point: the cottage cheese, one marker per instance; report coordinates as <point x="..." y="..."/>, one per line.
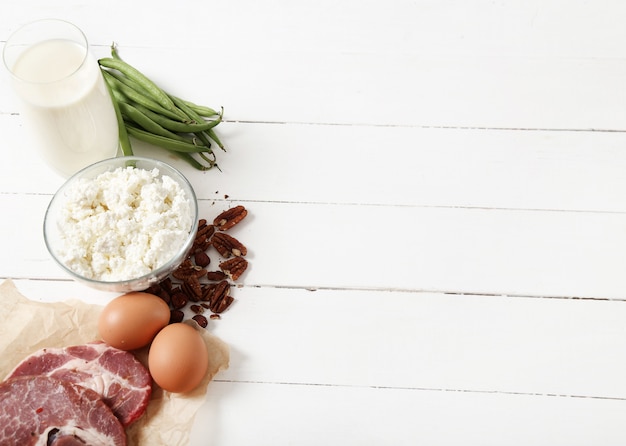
<point x="123" y="224"/>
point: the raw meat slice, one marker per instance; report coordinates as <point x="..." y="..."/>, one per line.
<point x="117" y="376"/>
<point x="39" y="410"/>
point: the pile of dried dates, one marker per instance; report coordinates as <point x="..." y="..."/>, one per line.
<point x="192" y="285"/>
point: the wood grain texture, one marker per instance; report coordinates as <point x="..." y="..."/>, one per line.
<point x="308" y="415"/>
<point x="500" y="252"/>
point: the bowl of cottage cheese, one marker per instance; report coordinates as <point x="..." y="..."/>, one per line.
<point x="122" y="224"/>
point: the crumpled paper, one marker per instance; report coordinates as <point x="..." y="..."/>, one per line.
<point x="27" y="326"/>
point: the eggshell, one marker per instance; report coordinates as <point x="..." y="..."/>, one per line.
<point x="132" y="320"/>
<point x="178" y="358"/>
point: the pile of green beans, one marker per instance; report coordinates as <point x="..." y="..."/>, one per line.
<point x="147" y="113"/>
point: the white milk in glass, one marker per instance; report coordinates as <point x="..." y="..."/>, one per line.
<point x="67" y="104"/>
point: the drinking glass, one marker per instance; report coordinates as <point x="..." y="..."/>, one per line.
<point x="65" y="102"/>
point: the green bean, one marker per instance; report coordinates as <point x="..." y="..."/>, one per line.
<point x="207" y="112"/>
<point x="172" y="112"/>
<point x="116" y="94"/>
<point x="177" y="126"/>
<point x="148" y="124"/>
<point x="214" y="137"/>
<point x="191" y="160"/>
<point x="128" y="70"/>
<point x="164" y="142"/>
<point x="137" y="97"/>
<point x="145" y="112"/>
<point x="195" y="117"/>
<point x="129" y="83"/>
<point x="114" y="52"/>
<point x="192" y="115"/>
<point x="174" y="148"/>
<point x="138" y="88"/>
<point x="125" y="145"/>
<point x="212" y="161"/>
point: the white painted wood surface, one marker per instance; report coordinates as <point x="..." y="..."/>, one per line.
<point x="437" y="226"/>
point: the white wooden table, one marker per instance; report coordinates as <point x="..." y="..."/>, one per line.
<point x="437" y="197"/>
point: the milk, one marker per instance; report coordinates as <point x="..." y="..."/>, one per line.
<point x="66" y="104"/>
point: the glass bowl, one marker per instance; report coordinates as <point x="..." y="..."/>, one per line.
<point x="120" y="221"/>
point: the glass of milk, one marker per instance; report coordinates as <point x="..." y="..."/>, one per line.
<point x="66" y="104"/>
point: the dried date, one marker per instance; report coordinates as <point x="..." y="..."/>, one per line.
<point x="192" y="288"/>
<point x="217" y="292"/>
<point x="187" y="269"/>
<point x="207" y="291"/>
<point x="176" y="316"/>
<point x="201" y="320"/>
<point x="223" y="304"/>
<point x="201" y="259"/>
<point x="216" y="276"/>
<point x="228" y="245"/>
<point x="202" y="240"/>
<point x="234" y="267"/>
<point x="196" y="288"/>
<point x="197" y="309"/>
<point x="220" y="298"/>
<point x="179" y="300"/>
<point x="230" y="218"/>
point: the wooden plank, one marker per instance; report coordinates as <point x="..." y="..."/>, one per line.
<point x="550" y="28"/>
<point x="426" y="341"/>
<point x="420" y="167"/>
<point x="510" y="72"/>
<point x="415" y="341"/>
<point x="397" y="89"/>
<point x="453" y="250"/>
<point x="268" y="414"/>
<point x="573" y="171"/>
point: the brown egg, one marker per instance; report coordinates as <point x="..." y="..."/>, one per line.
<point x="178" y="359"/>
<point x="132" y="320"/>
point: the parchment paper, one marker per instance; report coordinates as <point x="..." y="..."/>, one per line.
<point x="27" y="326"/>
